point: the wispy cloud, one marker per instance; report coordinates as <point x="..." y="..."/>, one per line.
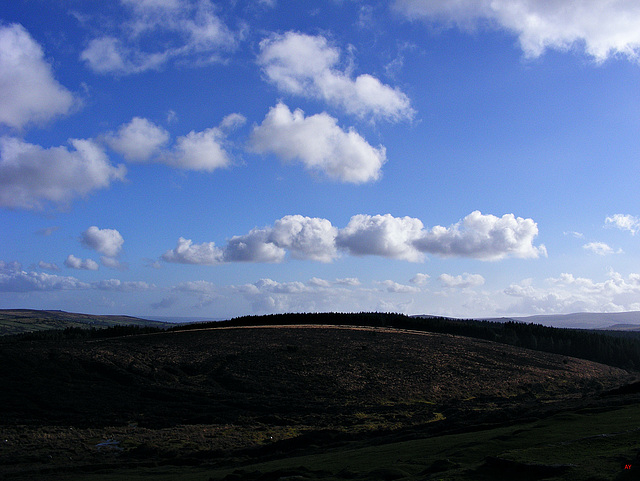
<point x="600" y="248"/>
<point x="191" y="30"/>
<point x="624" y="222"/>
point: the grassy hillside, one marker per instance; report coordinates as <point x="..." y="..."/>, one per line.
<point x="18" y="321"/>
<point x="203" y="404"/>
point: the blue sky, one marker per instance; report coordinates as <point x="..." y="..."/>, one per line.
<point x="199" y="158"/>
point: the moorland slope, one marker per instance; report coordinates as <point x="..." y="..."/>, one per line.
<point x="211" y="395"/>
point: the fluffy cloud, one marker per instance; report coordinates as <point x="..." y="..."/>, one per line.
<point x="191" y="31"/>
<point x="76" y="263"/>
<point x="28" y="90"/>
<point x="420" y="279"/>
<point x="382" y="235"/>
<point x="319" y="144"/>
<point x="484" y="237"/>
<point x="462" y="281"/>
<point x="255" y="246"/>
<point x="199" y="151"/>
<point x="138" y="140"/>
<point x="600" y="248"/>
<point x="306" y="65"/>
<point x="624" y="222"/>
<point x="188" y="253"/>
<point x="106" y="241"/>
<point x="143" y="141"/>
<point x="304" y="237"/>
<point x="31" y="175"/>
<point x="14" y="279"/>
<point x="603" y="28"/>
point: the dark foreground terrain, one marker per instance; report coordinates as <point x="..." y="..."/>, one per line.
<point x="310" y="402"/>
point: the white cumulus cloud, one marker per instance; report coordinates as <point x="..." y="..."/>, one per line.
<point x="28" y="90"/>
<point x="186" y="252"/>
<point x="420" y="279"/>
<point x="139" y="140"/>
<point x="31" y="176"/>
<point x="603" y="28"/>
<point x="382" y="235"/>
<point x="484" y="237"/>
<point x="106" y="241"/>
<point x="462" y="281"/>
<point x="143" y="141"/>
<point x="303" y="237"/>
<point x="76" y="263"/>
<point x="199" y="151"/>
<point x="308" y="66"/>
<point x="319" y="144"/>
<point x="256" y="246"/>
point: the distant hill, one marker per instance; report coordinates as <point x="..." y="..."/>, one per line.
<point x="18" y="321"/>
<point x="583" y="320"/>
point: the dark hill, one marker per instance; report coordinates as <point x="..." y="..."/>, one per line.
<point x="326" y="376"/>
<point x="242" y="393"/>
